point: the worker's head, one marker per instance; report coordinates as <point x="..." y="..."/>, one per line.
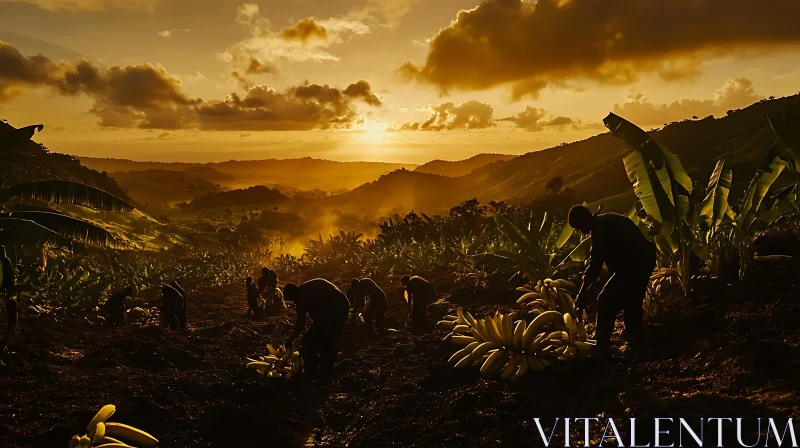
<point x="248" y="280"/>
<point x="128" y="291"/>
<point x="354" y="283"/>
<point x="2" y="249"/>
<point x="405" y="279"/>
<point x="581" y="218"/>
<point x="291" y="291"/>
<point x="265" y="271"/>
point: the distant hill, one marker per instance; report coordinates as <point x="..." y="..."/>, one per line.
<point x="461" y="167"/>
<point x="35" y="162"/>
<point x="253" y="197"/>
<point x="300" y="174"/>
<point x="168" y="187"/>
<point x="593" y="167"/>
<point x="400" y="191"/>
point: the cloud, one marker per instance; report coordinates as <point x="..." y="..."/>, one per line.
<point x="170" y="33"/>
<point x="147" y="96"/>
<point x="93" y="5"/>
<point x="384" y="12"/>
<point x="304" y="107"/>
<point x="530" y="45"/>
<point x="449" y="116"/>
<point x="794" y="76"/>
<point x="536" y="120"/>
<point x="734" y="94"/>
<point x="306" y="40"/>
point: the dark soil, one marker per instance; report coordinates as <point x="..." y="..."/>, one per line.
<point x="730" y="352"/>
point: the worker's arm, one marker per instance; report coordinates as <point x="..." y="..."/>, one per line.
<point x="596" y="262"/>
<point x="299" y="306"/>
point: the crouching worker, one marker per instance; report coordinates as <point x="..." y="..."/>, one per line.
<point x="114" y="307"/>
<point x="171" y="302"/>
<point x="619" y="244"/>
<point x="273" y="296"/>
<point x="328" y="307"/>
<point x="375" y="308"/>
<point x="252" y="297"/>
<point x="419" y="294"/>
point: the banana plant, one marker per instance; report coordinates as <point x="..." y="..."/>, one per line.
<point x="663" y="188"/>
<point x="39" y="226"/>
<point x="534" y="250"/>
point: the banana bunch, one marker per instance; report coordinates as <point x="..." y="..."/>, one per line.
<point x="502" y="345"/>
<point x="149" y="316"/>
<point x="105" y="434"/>
<point x="355" y="319"/>
<point x="280" y="363"/>
<point x="548" y="295"/>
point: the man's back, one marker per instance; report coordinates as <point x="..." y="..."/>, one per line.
<point x="621" y="242"/>
<point x="321" y="299"/>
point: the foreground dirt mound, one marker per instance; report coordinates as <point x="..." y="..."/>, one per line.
<point x="732" y="351"/>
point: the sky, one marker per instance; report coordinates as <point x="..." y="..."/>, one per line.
<point x="381" y="80"/>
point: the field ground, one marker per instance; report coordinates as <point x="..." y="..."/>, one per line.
<point x="734" y="352"/>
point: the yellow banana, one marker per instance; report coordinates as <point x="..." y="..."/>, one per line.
<point x="449" y="324"/>
<point x="272" y="350"/>
<point x="84" y="442"/>
<point x="491" y="329"/>
<point x="102" y="416"/>
<point x="583" y="347"/>
<point x="461" y="354"/>
<point x="533" y="363"/>
<point x="460" y="314"/>
<point x="537" y="344"/>
<point x="99" y="433"/>
<point x="528" y="297"/>
<point x="511" y="367"/>
<point x="110" y="441"/>
<point x="462" y="329"/>
<point x="129" y="433"/>
<point x="113" y="445"/>
<point x="493" y="361"/>
<point x="519" y="333"/>
<point x="523" y="367"/>
<point x="450" y="317"/>
<point x="462" y="340"/>
<point x="73" y="442"/>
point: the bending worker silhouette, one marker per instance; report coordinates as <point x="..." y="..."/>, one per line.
<point x="619" y="244"/>
<point x="328" y="307"/>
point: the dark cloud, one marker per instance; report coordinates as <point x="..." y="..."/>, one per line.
<point x="530" y="45"/>
<point x="305" y="30"/>
<point x="536" y="120"/>
<point x="449" y="116"/>
<point x="304" y="107"/>
<point x="148" y="97"/>
<point x="734" y="94"/>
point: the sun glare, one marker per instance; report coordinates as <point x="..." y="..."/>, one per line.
<point x="372" y="131"/>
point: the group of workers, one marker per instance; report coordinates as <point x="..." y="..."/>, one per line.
<point x="617" y="243"/>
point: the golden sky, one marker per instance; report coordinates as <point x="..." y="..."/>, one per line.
<point x="388" y="80"/>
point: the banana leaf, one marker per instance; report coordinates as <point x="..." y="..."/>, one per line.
<point x="715" y="205"/>
<point x="564" y="236"/>
<point x="16" y="138"/>
<point x="771" y="167"/>
<point x="787" y="132"/>
<point x="651" y="151"/>
<point x="521" y="237"/>
<point x="24" y="232"/>
<point x="69" y="227"/>
<point x="67" y="192"/>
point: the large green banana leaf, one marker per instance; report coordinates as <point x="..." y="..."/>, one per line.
<point x="68" y="227"/>
<point x="771" y="167"/>
<point x="67" y="192"/>
<point x="715" y="205"/>
<point x="24" y="232"/>
<point x="16" y="138"/>
<point x="636" y="138"/>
